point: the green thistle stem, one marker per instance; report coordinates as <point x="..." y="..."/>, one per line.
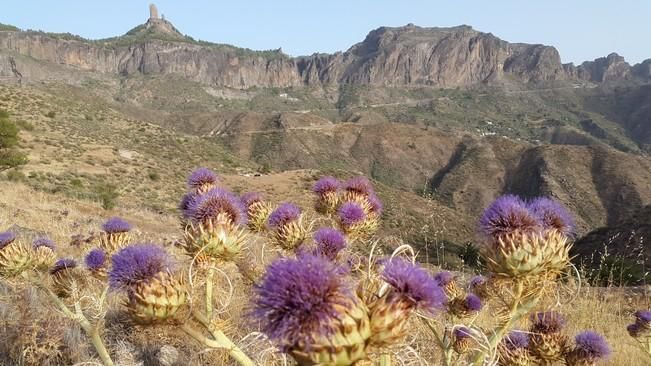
<point x="385" y="360"/>
<point x="447" y="350"/>
<point x="221" y="341"/>
<point x="209" y="284"/>
<point x="516" y="312"/>
<point x="91" y="331"/>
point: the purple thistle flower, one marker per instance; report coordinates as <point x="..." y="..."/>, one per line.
<point x="329" y="242"/>
<point x="516" y="339"/>
<point x="443" y="278"/>
<point x="477" y="281"/>
<point x="298" y="298"/>
<point x="506" y="215"/>
<point x="552" y="215"/>
<point x="591" y="346"/>
<point x="325" y="185"/>
<point x="376" y="205"/>
<point x="414" y="284"/>
<point x="95" y="259"/>
<point x="359" y="184"/>
<point x="633" y="330"/>
<point x="351" y="213"/>
<point x="284" y="214"/>
<point x="462" y="333"/>
<point x="643" y="316"/>
<point x="200" y="177"/>
<point x="473" y="302"/>
<point x="6" y="238"/>
<point x="62" y="264"/>
<point x="214" y="202"/>
<point x="547" y="322"/>
<point x="186" y="202"/>
<point x="250" y="198"/>
<point x="43" y="242"/>
<point x="116" y="225"/>
<point x="137" y="263"/>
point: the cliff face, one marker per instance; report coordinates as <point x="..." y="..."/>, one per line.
<point x="410" y="55"/>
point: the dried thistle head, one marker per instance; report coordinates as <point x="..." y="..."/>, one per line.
<point x="513" y="350"/>
<point x="547" y="340"/>
<point x="464" y="340"/>
<point x="15" y="257"/>
<point x="642" y="325"/>
<point x="64" y="276"/>
<point x="308" y="308"/>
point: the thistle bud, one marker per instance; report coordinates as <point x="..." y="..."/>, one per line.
<point x="43" y="255"/>
<point x="214" y="231"/>
<point x="257" y="211"/>
<point x="115" y="235"/>
<point x="329" y="243"/>
<point x="143" y="271"/>
<point x="15" y="257"/>
<point x="96" y="263"/>
<point x="411" y="289"/>
<point x="449" y="284"/>
<point x="64" y="277"/>
<point x="463" y="340"/>
<point x="518" y="243"/>
<point x="547" y="342"/>
<point x="513" y="350"/>
<point x="327" y="195"/>
<point x="480" y="286"/>
<point x="465" y="307"/>
<point x="308" y="308"/>
<point x="642" y="325"/>
<point x="287" y="227"/>
<point x="590" y="348"/>
<point x="201" y="180"/>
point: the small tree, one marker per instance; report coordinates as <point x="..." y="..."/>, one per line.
<point x="9" y="156"/>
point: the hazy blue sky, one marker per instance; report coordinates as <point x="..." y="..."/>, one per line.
<point x="580" y="29"/>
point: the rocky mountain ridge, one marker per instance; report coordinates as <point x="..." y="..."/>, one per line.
<point x="400" y="56"/>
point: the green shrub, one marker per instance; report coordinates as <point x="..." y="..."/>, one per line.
<point x="9" y="157"/>
<point x="15" y="176"/>
<point x="108" y="195"/>
<point x="154" y="176"/>
<point x="51" y="114"/>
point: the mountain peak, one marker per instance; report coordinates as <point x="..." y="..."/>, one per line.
<point x="156" y="25"/>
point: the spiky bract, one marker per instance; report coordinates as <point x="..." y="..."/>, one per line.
<point x="15" y="258"/>
<point x="513" y="349"/>
<point x="257" y="210"/>
<point x="307" y="307"/>
<point x="327" y="195"/>
<point x="547" y="342"/>
<point x="287" y="226"/>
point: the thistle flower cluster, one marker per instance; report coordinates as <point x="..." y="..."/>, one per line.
<point x="640" y="330"/>
<point x="526" y="239"/>
<point x="354" y="204"/>
<point x="309" y="308"/>
<point x="17" y="257"/>
<point x="212" y="219"/>
<point x="459" y="303"/>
